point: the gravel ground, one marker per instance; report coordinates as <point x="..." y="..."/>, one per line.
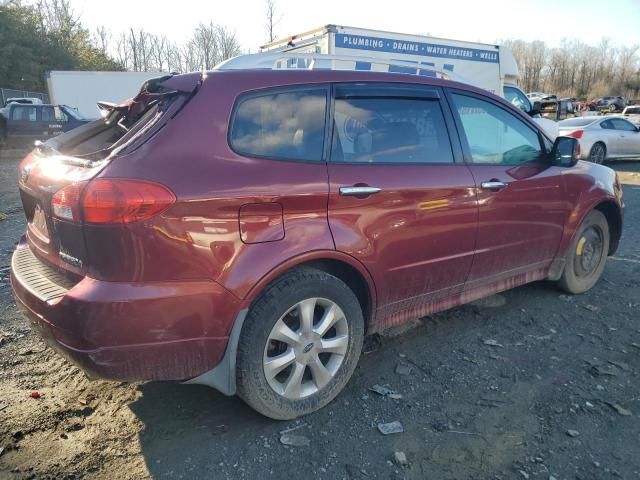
<point x="527" y="384"/>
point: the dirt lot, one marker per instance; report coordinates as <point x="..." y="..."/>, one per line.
<point x="529" y="384"/>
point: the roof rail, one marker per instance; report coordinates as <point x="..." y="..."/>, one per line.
<point x="322" y="61"/>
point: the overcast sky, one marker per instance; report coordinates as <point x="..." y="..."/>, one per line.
<point x="473" y="20"/>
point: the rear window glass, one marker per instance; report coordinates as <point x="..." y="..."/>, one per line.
<point x="286" y="125"/>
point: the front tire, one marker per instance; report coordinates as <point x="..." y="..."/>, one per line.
<point x="587" y="256"/>
<point x="299" y="344"/>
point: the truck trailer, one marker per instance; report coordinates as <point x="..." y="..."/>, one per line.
<point x="83" y="90"/>
<point x="492" y="67"/>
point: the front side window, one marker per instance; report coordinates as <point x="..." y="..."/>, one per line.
<point x="47" y="114"/>
<point x="53" y="114"/>
<point x="286" y="125"/>
<point x="60" y="115"/>
<point x="390" y="130"/>
<point x="495" y="136"/>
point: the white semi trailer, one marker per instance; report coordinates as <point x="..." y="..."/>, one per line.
<point x="492" y="67"/>
<point x="83" y="90"/>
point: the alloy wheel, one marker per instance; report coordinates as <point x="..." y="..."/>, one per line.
<point x="597" y="153"/>
<point x="305" y="348"/>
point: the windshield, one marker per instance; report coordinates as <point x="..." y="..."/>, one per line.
<point x="634" y="110"/>
<point x="576" y="122"/>
<point x="517" y="98"/>
<point x="72" y="113"/>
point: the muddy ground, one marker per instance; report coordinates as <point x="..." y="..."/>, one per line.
<point x="530" y="384"/>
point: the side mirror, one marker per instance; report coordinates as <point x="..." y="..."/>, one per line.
<point x="536" y="108"/>
<point x="565" y="152"/>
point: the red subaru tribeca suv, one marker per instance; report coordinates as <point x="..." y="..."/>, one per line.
<point x="245" y="229"/>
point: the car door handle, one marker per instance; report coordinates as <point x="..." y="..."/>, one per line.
<point x="358" y="191"/>
<point x="493" y="184"/>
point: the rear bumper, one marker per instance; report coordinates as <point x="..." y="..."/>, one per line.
<point x="128" y="331"/>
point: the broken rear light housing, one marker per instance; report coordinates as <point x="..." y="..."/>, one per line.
<point x="111" y="201"/>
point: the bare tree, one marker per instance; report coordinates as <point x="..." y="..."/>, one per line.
<point x="59" y="20"/>
<point x="209" y="45"/>
<point x="205" y="45"/>
<point x="273" y="18"/>
<point x="228" y="43"/>
<point x="577" y="69"/>
<point x="102" y="38"/>
<point x="123" y="51"/>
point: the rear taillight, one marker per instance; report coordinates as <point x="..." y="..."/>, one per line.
<point x="576" y="134"/>
<point x="123" y="201"/>
<point x="66" y="202"/>
<point x="111" y="201"/>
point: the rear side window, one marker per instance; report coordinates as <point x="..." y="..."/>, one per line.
<point x="24" y="114"/>
<point x="390" y="130"/>
<point x="286" y="125"/>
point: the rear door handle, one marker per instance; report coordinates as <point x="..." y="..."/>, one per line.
<point x="359" y="191"/>
<point x="493" y="184"/>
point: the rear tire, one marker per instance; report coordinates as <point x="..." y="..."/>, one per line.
<point x="318" y="364"/>
<point x="587" y="255"/>
<point x="598" y="153"/>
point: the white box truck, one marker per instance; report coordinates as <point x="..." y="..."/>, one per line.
<point x="83" y="90"/>
<point x="492" y="67"/>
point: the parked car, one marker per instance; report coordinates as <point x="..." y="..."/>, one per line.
<point x="557" y="109"/>
<point x="539" y="96"/>
<point x="603" y="138"/>
<point x="610" y="104"/>
<point x="23" y="123"/>
<point x="632" y="113"/>
<point x="245" y="229"/>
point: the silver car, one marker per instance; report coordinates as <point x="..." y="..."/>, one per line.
<point x="632" y="113"/>
<point x="603" y="138"/>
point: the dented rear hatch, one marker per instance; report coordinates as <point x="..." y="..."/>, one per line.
<point x="78" y="156"/>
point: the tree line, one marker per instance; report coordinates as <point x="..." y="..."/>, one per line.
<point x="577" y="69"/>
<point x="48" y="35"/>
<point x="44" y="36"/>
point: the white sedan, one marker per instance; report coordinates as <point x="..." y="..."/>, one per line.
<point x="603" y="138"/>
